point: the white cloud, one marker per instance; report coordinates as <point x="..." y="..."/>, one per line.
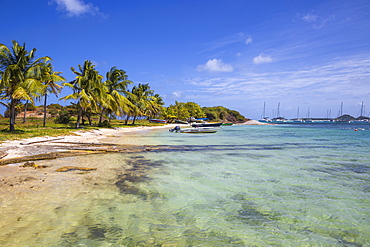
<point x="248" y="41"/>
<point x="177" y="94"/>
<point x="215" y="65"/>
<point x="76" y="7"/>
<point x="261" y="58"/>
<point x="309" y="18"/>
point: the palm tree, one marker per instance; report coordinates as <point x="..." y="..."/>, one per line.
<point x="115" y="100"/>
<point x="49" y="78"/>
<point x="20" y="73"/>
<point x="142" y="96"/>
<point x="87" y="87"/>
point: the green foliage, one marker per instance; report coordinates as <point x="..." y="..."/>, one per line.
<point x="20" y="76"/>
<point x="63" y="117"/>
<point x="30" y="107"/>
<point x="54" y="109"/>
<point x="184" y="111"/>
<point x="220" y="113"/>
<point x="105" y="124"/>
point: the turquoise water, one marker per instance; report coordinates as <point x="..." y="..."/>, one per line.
<point x="282" y="185"/>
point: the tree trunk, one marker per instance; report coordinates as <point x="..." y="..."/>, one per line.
<point x="25" y="111"/>
<point x="89" y="119"/>
<point x="127" y="117"/>
<point x="133" y="121"/>
<point x="79" y="117"/>
<point x="44" y="124"/>
<point x="12" y="114"/>
<point x="101" y="116"/>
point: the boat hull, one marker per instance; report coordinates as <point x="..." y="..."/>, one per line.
<point x="198" y="130"/>
<point x="157" y="121"/>
<point x="206" y="125"/>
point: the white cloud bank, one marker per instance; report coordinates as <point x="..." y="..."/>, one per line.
<point x="215" y="65"/>
<point x="76" y="7"/>
<point x="262" y="58"/>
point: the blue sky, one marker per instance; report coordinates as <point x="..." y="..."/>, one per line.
<point x="235" y="53"/>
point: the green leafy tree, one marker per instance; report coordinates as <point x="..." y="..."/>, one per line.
<point x="87" y="87"/>
<point x="141" y="97"/>
<point x="50" y="79"/>
<point x="115" y="100"/>
<point x="20" y="76"/>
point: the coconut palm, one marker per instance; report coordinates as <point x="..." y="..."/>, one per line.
<point x="49" y="78"/>
<point x="115" y="101"/>
<point x="87" y="87"/>
<point x="142" y="97"/>
<point x="20" y="76"/>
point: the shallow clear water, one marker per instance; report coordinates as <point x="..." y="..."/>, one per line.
<point x="282" y="185"/>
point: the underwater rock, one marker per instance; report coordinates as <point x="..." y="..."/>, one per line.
<point x="32" y="164"/>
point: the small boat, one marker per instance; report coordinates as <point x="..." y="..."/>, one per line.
<point x="157" y="120"/>
<point x="198" y="130"/>
<point x="206" y="124"/>
<point x="180" y="121"/>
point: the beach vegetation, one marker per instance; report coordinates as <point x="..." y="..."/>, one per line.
<point x="49" y="77"/>
<point x="87" y="88"/>
<point x="145" y="102"/>
<point x="115" y="101"/>
<point x="183" y="111"/>
<point x="220" y="113"/>
<point x="20" y="77"/>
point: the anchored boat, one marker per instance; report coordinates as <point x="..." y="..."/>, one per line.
<point x="198" y="130"/>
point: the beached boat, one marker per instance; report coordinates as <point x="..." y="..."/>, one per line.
<point x="157" y="120"/>
<point x="180" y="121"/>
<point x="206" y="124"/>
<point x="198" y="130"/>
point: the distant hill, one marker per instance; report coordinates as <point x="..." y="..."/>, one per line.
<point x="220" y="113"/>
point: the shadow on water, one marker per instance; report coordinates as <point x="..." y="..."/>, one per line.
<point x="251" y="213"/>
<point x="128" y="180"/>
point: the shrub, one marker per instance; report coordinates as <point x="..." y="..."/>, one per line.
<point x="63" y="118"/>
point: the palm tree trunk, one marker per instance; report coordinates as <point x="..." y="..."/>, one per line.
<point x="12" y="114"/>
<point x="133" y="121"/>
<point x="101" y="116"/>
<point x="89" y="119"/>
<point x="79" y="117"/>
<point x="126" y="120"/>
<point x="25" y="111"/>
<point x="44" y="124"/>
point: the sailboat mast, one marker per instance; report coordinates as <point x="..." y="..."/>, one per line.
<point x="298" y="113"/>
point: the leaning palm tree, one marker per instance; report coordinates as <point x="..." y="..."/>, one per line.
<point x="49" y="78"/>
<point x="142" y="97"/>
<point x="87" y="88"/>
<point x="20" y="73"/>
<point x="115" y="101"/>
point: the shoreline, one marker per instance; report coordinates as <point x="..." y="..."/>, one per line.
<point x="39" y="145"/>
<point x="18" y="172"/>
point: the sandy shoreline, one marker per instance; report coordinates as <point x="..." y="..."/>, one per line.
<point x="38" y="145"/>
<point x="14" y="174"/>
